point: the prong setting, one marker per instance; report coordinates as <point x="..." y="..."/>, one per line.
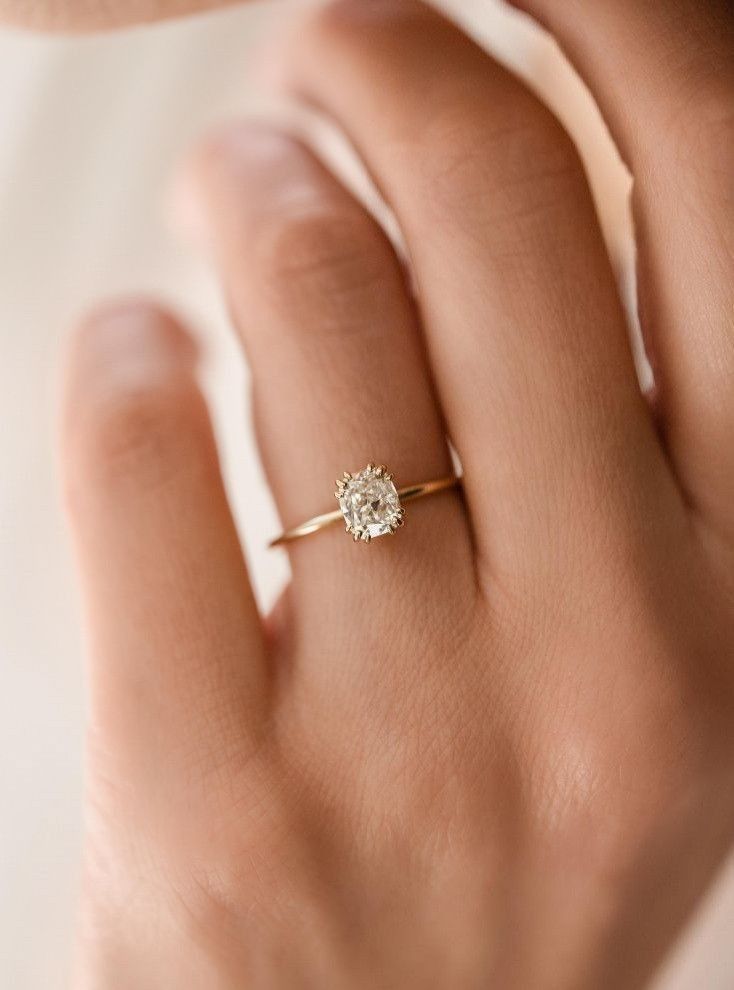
<point x="370" y="503"/>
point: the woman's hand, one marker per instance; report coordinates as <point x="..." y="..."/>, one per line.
<point x="496" y="749"/>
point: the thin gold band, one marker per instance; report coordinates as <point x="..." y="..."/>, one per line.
<point x="409" y="494"/>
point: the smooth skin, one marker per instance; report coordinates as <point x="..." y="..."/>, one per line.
<point x="93" y="15"/>
<point x="497" y="749"/>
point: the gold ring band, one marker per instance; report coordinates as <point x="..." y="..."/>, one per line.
<point x="370" y="505"/>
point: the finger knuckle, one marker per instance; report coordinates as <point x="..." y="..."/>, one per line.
<point x="605" y="791"/>
<point x="510" y="172"/>
<point x="139" y="435"/>
<point x="323" y="251"/>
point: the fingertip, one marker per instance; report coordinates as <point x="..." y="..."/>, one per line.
<point x="192" y="192"/>
<point x="268" y="133"/>
<point x="201" y="200"/>
<point x="121" y="335"/>
<point x="130" y="384"/>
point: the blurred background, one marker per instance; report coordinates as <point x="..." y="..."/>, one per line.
<point x="91" y="132"/>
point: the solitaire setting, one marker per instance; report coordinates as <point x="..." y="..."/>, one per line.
<point x="370" y="503"/>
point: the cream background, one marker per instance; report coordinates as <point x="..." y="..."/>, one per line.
<point x="90" y="133"/>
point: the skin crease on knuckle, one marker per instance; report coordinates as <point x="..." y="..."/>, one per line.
<point x="324" y="252"/>
<point x="320" y="247"/>
<point x="464" y="790"/>
<point x="530" y="152"/>
<point x="143" y="438"/>
<point x="310" y="252"/>
<point x="134" y="422"/>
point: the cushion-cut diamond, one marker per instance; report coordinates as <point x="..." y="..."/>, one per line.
<point x="370" y="503"/>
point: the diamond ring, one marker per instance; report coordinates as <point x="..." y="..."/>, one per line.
<point x="370" y="505"/>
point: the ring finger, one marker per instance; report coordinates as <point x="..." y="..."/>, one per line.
<point x="525" y="331"/>
<point x="339" y="374"/>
